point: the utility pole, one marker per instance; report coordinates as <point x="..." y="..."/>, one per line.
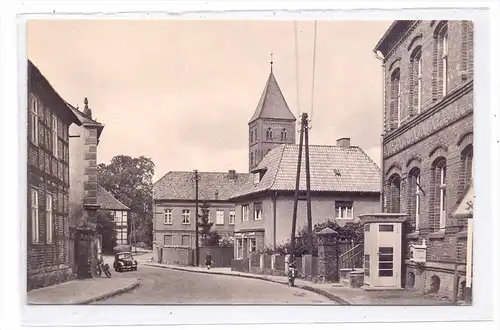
<point x="297" y="188"/>
<point x="196" y="252"/>
<point x="308" y="186"/>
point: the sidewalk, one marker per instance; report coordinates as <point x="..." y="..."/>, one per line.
<point x="333" y="291"/>
<point x="80" y="292"/>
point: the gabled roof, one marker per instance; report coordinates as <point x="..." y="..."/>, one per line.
<point x="107" y="201"/>
<point x="67" y="111"/>
<point x="272" y="103"/>
<point x="332" y="169"/>
<point x="180" y="185"/>
<point x="86" y="120"/>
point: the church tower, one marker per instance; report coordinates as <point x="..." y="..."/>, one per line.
<point x="272" y="123"/>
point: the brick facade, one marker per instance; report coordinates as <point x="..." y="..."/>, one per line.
<point x="48" y="260"/>
<point x="428" y="138"/>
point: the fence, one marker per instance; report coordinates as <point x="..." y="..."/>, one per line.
<point x="308" y="267"/>
<point x="180" y="255"/>
<point x="221" y="256"/>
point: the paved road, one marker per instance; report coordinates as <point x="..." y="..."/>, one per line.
<point x="167" y="286"/>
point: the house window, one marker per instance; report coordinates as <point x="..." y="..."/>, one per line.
<point x="441" y="188"/>
<point x="284" y="134"/>
<point x="239" y="248"/>
<point x="186" y="240"/>
<point x="251" y="136"/>
<point x="444" y="60"/>
<point x="253" y="244"/>
<point x="367" y="227"/>
<point x="343" y="210"/>
<point x="124" y="218"/>
<point x="416" y="78"/>
<point x="415" y="195"/>
<point x="49" y="218"/>
<point x="34" y="108"/>
<point x="367" y="265"/>
<point x="219" y="217"/>
<point x="244" y="212"/>
<point x="232" y="217"/>
<point x="269" y="134"/>
<point x="257" y="211"/>
<point x="168" y="240"/>
<point x="55" y="139"/>
<point x="251" y="158"/>
<point x="396" y="99"/>
<point x="385" y="261"/>
<point x="255" y="136"/>
<point x="467" y="169"/>
<point x="394" y="193"/>
<point x="167" y="217"/>
<point x="186" y="217"/>
<point x="35" y="221"/>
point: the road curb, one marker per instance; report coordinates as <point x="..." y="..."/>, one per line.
<point x="324" y="293"/>
<point x="108" y="295"/>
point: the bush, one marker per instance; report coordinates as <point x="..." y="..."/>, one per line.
<point x="122" y="248"/>
<point x="106" y="228"/>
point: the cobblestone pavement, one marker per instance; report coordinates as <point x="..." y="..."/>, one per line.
<point x="167" y="286"/>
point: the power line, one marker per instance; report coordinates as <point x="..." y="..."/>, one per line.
<point x="313" y="69"/>
<point x="297" y="67"/>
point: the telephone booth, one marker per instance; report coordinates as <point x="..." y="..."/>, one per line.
<point x="383" y="248"/>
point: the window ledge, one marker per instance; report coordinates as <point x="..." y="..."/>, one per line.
<point x="437" y="235"/>
<point x="413" y="235"/>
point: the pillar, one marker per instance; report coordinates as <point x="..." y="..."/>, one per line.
<point x="328" y="255"/>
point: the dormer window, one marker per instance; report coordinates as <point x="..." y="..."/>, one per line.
<point x="256" y="177"/>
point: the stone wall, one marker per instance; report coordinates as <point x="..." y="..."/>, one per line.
<point x="177" y="256"/>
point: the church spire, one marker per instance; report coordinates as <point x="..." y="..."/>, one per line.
<point x="272" y="62"/>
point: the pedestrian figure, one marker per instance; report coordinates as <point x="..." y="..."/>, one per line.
<point x="208" y="260"/>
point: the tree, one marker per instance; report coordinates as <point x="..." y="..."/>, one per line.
<point x="205" y="225"/>
<point x="106" y="228"/>
<point x="130" y="180"/>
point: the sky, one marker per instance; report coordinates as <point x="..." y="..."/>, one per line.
<point x="181" y="92"/>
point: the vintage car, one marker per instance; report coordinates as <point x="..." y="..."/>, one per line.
<point x="124" y="261"/>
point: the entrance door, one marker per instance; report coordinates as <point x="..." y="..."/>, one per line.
<point x="386" y="263"/>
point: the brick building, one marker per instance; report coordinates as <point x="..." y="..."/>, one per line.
<point x="428" y="142"/>
<point x="49" y="119"/>
<point x="174" y="199"/>
<point x="272" y="123"/>
<point x="345" y="183"/>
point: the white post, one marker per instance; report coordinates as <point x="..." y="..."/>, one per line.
<point x="468" y="272"/>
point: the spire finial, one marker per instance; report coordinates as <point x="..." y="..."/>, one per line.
<point x="86" y="102"/>
<point x="272" y="62"/>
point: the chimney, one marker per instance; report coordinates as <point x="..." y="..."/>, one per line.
<point x="232" y="175"/>
<point x="344" y="142"/>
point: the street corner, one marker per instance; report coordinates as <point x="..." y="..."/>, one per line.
<point x="81" y="292"/>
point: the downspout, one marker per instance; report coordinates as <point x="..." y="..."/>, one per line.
<point x="380" y="57"/>
<point x="274" y="220"/>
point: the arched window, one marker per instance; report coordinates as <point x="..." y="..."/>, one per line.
<point x="467" y="168"/>
<point x="395" y="104"/>
<point x="415" y="196"/>
<point x="394" y="198"/>
<point x="268" y="151"/>
<point x="438" y="206"/>
<point x="441" y="52"/>
<point x="284" y="134"/>
<point x="269" y="133"/>
<point x="416" y="80"/>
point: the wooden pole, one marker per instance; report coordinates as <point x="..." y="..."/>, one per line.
<point x="196" y="251"/>
<point x="308" y="186"/>
<point x="297" y="189"/>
